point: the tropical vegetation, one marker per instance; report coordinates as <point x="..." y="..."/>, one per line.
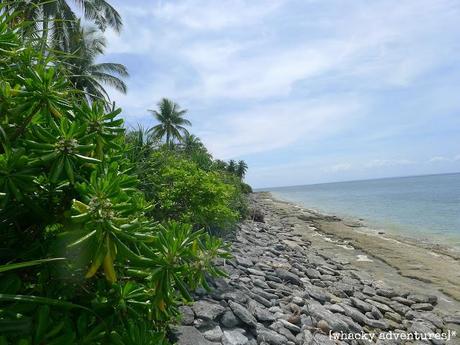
<point x="104" y="232"/>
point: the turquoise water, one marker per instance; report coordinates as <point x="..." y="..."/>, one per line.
<point x="425" y="207"/>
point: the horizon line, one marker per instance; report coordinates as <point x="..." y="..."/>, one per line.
<point x="357" y="180"/>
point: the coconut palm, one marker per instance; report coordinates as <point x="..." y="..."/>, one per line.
<point x="241" y="169"/>
<point x="171" y="122"/>
<point x="55" y="18"/>
<point x="85" y="45"/>
<point x="231" y="166"/>
<point x="190" y="143"/>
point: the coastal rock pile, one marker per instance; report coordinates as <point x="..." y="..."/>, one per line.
<point x="280" y="291"/>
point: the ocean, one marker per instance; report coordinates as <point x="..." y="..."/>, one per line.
<point x="421" y="207"/>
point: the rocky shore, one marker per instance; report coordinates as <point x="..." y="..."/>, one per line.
<point x="286" y="287"/>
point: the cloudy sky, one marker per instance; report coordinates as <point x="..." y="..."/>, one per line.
<point x="305" y="91"/>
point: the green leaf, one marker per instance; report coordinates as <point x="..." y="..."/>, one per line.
<point x="9" y="267"/>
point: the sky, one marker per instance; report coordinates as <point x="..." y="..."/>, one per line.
<point x="305" y="91"/>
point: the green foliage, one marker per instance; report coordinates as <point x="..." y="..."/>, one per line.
<point x="69" y="189"/>
<point x="181" y="190"/>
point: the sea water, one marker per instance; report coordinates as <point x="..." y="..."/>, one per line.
<point x="424" y="207"/>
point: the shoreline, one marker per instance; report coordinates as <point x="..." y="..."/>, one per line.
<point x="292" y="281"/>
<point x="429" y="263"/>
<point x="438" y="247"/>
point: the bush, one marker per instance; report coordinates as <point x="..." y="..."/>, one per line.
<point x="180" y="190"/>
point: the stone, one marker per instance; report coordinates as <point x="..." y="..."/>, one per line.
<point x="321" y="313"/>
<point x="389" y="293"/>
<point x="261" y="300"/>
<point x="361" y="305"/>
<point x="382" y="307"/>
<point x="298" y="300"/>
<point x="243" y="314"/>
<point x="270" y="337"/>
<point x="235" y="296"/>
<point x="403" y="300"/>
<point x="368" y="291"/>
<point x="323" y="326"/>
<point x="393" y="316"/>
<point x="290" y="326"/>
<point x="312" y="273"/>
<point x="454" y="319"/>
<point x="189" y="335"/>
<point x="288" y="276"/>
<point x="318" y="294"/>
<point x="229" y="319"/>
<point x="207" y="310"/>
<point x="213" y="334"/>
<point x="418" y="298"/>
<point x="187" y="315"/>
<point x="234" y="337"/>
<point x="245" y="262"/>
<point x="399" y="308"/>
<point x="422" y="306"/>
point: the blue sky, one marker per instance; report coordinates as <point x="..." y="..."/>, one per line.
<point x="306" y="91"/>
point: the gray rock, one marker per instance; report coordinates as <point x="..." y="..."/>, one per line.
<point x="187" y="315"/>
<point x="361" y="305"/>
<point x="235" y="296"/>
<point x="318" y="294"/>
<point x="362" y="319"/>
<point x="245" y="262"/>
<point x="288" y="276"/>
<point x="434" y="319"/>
<point x="255" y="272"/>
<point x="389" y="293"/>
<point x="403" y="300"/>
<point x="376" y="313"/>
<point x="321" y="313"/>
<point x="207" y="310"/>
<point x="422" y="306"/>
<point x="213" y="334"/>
<point x="229" y="319"/>
<point x="454" y="319"/>
<point x="261" y="300"/>
<point x="369" y="291"/>
<point x="234" y="337"/>
<point x="290" y="326"/>
<point x="382" y="307"/>
<point x="418" y="298"/>
<point x="270" y="337"/>
<point x="399" y="308"/>
<point x="312" y="273"/>
<point x="188" y="335"/>
<point x="243" y="314"/>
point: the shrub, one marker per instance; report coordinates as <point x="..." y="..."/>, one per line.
<point x="179" y="189"/>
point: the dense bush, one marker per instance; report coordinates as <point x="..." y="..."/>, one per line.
<point x="181" y="190"/>
<point x="81" y="260"/>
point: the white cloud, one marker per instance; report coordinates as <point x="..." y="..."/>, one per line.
<point x="338" y="168"/>
<point x="277" y="125"/>
<point x="375" y="163"/>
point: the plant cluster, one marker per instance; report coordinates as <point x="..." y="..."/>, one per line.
<point x="83" y="260"/>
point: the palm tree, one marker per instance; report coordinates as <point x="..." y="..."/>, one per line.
<point x="55" y="19"/>
<point x="241" y="169"/>
<point x="171" y="122"/>
<point x="190" y="143"/>
<point x="231" y="166"/>
<point x="85" y="45"/>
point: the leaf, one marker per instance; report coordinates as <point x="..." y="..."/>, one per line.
<point x="9" y="267"/>
<point x="40" y="300"/>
